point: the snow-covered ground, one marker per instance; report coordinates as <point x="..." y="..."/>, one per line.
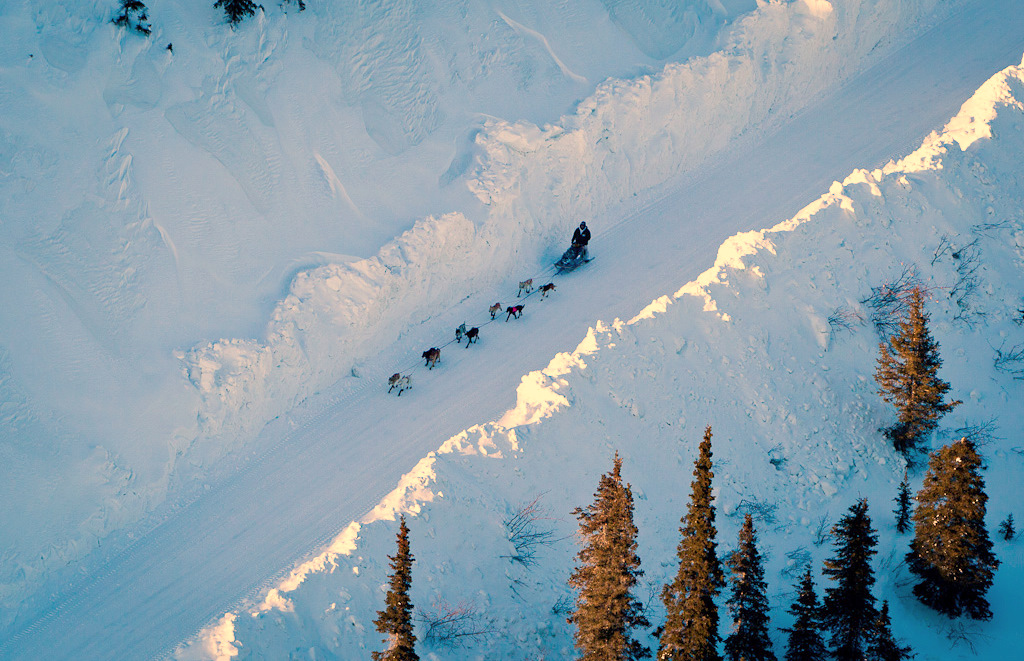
<point x="279" y="162"/>
<point x="775" y="347"/>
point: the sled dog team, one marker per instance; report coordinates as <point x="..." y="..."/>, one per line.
<point x="432" y="356"/>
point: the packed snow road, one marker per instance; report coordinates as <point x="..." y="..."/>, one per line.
<point x="331" y="461"/>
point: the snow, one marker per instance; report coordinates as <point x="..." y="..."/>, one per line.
<point x="799" y="455"/>
<point x="320" y="190"/>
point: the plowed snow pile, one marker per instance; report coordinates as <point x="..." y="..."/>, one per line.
<point x="775" y="347"/>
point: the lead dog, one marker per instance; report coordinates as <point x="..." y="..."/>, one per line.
<point x="400" y="382"/>
<point x="472" y="335"/>
<point x="432" y="356"/>
<point x="546" y="289"/>
<point x="525" y="286"/>
<point x="494" y="309"/>
<point x="514" y="311"/>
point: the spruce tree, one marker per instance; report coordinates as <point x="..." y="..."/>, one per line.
<point x="748" y="603"/>
<point x="691" y="624"/>
<point x="902" y="510"/>
<point x="1006" y="529"/>
<point x="907" y="377"/>
<point x="605" y="610"/>
<point x="884" y="646"/>
<point x="848" y="610"/>
<point x="805" y="642"/>
<point x="951" y="553"/>
<point x="236" y="10"/>
<point x="133" y="15"/>
<point x="396" y="619"/>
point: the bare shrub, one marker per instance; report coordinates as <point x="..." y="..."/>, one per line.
<point x="450" y="626"/>
<point x="844" y="319"/>
<point x="888" y="303"/>
<point x="761" y="510"/>
<point x="1010" y="361"/>
<point x="980" y="433"/>
<point x="965" y="635"/>
<point x="945" y="245"/>
<point x="563" y="606"/>
<point x="991" y="229"/>
<point x="823" y="532"/>
<point x="529" y="529"/>
<point x="799" y="559"/>
<point x="967" y="260"/>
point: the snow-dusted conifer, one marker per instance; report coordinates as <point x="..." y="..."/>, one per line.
<point x="133" y="15"/>
<point x="396" y="619"/>
<point x="691" y="624"/>
<point x="951" y="553"/>
<point x="907" y="376"/>
<point x="236" y="10"/>
<point x="748" y="603"/>
<point x="848" y="610"/>
<point x="605" y="609"/>
<point x="902" y="510"/>
<point x="884" y="646"/>
<point x="805" y="642"/>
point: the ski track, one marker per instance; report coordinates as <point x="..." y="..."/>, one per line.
<point x="203" y="555"/>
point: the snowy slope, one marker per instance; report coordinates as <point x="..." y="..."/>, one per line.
<point x="756" y="347"/>
<point x="123" y="438"/>
<point x="153" y="200"/>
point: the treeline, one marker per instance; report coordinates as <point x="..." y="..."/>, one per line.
<point x="950" y="554"/>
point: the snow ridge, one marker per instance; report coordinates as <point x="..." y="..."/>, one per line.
<point x="759" y="333"/>
<point x="536" y="183"/>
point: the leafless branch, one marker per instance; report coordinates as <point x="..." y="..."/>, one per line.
<point x="450" y="626"/>
<point x="823" y="532"/>
<point x="980" y="433"/>
<point x="967" y="635"/>
<point x="887" y="304"/>
<point x="1010" y="361"/>
<point x="760" y="510"/>
<point x="988" y="229"/>
<point x="799" y="559"/>
<point x="844" y="318"/>
<point x="968" y="262"/>
<point x="527" y="531"/>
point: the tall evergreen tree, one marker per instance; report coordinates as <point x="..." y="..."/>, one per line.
<point x="907" y="377"/>
<point x="605" y="609"/>
<point x="951" y="552"/>
<point x="902" y="510"/>
<point x="884" y="646"/>
<point x="396" y="619"/>
<point x="133" y="15"/>
<point x="848" y="609"/>
<point x="805" y="642"/>
<point x="748" y="603"/>
<point x="691" y="624"/>
<point x="236" y="10"/>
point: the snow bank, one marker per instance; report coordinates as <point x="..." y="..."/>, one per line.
<point x="773" y="346"/>
<point x="536" y="183"/>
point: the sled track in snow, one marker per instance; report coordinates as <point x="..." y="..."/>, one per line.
<point x="189" y="580"/>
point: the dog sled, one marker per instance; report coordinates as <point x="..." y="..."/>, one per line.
<point x="572" y="259"/>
